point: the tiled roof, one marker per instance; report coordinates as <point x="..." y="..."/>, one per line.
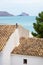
<point x="27" y="46"/>
<point x="30" y="46"/>
<point x="5" y="32"/>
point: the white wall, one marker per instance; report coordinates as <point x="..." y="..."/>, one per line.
<point x="31" y="60"/>
<point x="10" y="45"/>
<point x="23" y="32"/>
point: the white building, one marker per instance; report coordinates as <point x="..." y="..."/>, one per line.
<point x="26" y="60"/>
<point x="18" y="56"/>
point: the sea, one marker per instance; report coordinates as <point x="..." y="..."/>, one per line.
<point x="25" y="21"/>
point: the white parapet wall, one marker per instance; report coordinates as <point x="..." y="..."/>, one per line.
<point x="30" y="35"/>
<point x="24" y="33"/>
<point x="31" y="60"/>
<point x="12" y="42"/>
<point x="10" y="45"/>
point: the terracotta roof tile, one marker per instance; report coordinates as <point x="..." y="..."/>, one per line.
<point x="5" y="32"/>
<point x="30" y="46"/>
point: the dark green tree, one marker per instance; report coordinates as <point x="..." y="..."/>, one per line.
<point x="38" y="26"/>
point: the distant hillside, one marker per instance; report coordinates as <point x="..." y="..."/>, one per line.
<point x="24" y="14"/>
<point x="4" y="13"/>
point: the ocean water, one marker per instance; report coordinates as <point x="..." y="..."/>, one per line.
<point x="25" y="21"/>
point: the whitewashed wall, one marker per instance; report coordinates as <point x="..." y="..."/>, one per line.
<point x="23" y="32"/>
<point x="31" y="60"/>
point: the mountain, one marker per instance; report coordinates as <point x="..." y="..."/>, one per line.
<point x="24" y="14"/>
<point x="4" y="13"/>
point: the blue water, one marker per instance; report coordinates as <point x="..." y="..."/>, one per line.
<point x="25" y="21"/>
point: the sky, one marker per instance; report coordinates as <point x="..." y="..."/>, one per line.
<point x="32" y="7"/>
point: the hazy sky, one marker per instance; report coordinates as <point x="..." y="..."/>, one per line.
<point x="33" y="7"/>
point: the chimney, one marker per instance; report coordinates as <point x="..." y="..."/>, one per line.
<point x="16" y="25"/>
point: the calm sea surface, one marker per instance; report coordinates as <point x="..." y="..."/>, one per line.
<point x="25" y="21"/>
